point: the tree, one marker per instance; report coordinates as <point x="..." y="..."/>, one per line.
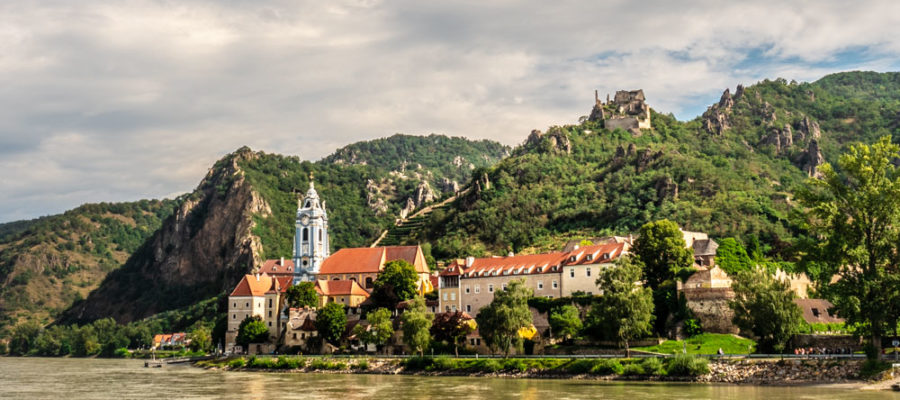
<point x="854" y="213"/>
<point x="732" y="258"/>
<point x="302" y="294"/>
<point x="379" y="329"/>
<point x="23" y="338"/>
<point x="252" y="330"/>
<point x="765" y="306"/>
<point x="500" y="321"/>
<point x="201" y="339"/>
<point x="661" y="249"/>
<point x="416" y="322"/>
<point x="396" y="283"/>
<point x="565" y="321"/>
<point x="625" y="311"/>
<point x="331" y="321"/>
<point x="452" y="328"/>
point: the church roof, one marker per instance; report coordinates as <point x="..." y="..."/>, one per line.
<point x="371" y="260"/>
<point x="275" y="267"/>
<point x="253" y="285"/>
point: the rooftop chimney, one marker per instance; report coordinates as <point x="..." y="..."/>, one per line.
<point x="282" y="261"/>
<point x="469" y="261"/>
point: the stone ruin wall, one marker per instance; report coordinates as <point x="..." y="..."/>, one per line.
<point x="710" y="306"/>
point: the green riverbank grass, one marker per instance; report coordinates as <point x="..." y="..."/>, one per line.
<point x="706" y="343"/>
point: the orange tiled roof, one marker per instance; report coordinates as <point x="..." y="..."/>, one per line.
<point x="280" y="284"/>
<point x="274" y="267"/>
<point x="253" y="285"/>
<point x="371" y="260"/>
<point x="537" y="263"/>
<point x="340" y="288"/>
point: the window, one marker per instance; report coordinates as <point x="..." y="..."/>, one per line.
<point x="491" y="288"/>
<point x="270" y="305"/>
<point x="270" y="324"/>
<point x="454" y="308"/>
<point x="305" y="234"/>
<point x="233" y="316"/>
<point x="369" y="283"/>
<point x="815" y="312"/>
<point x="555" y="284"/>
<point x="467" y="289"/>
<point x="234" y="305"/>
<point x="468" y="308"/>
<point x="571" y="273"/>
<point x="589" y="257"/>
<point x="477" y="288"/>
<point x="540" y="285"/>
<point x="295" y="336"/>
<point x="549" y="296"/>
<point x="588" y="272"/>
<point x="445" y="296"/>
<point x="447" y="308"/>
<point x="270" y="316"/>
<point x="452" y="295"/>
<point x="504" y="286"/>
<point x="247" y="305"/>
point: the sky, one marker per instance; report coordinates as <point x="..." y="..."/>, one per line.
<point x="126" y="100"/>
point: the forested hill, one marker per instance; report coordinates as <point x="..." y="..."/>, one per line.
<point x="48" y="263"/>
<point x="730" y="172"/>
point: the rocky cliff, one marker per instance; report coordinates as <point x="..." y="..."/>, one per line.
<point x="202" y="250"/>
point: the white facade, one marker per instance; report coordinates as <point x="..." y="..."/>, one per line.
<point x="311" y="244"/>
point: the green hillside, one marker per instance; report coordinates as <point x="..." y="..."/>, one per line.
<point x="736" y="182"/>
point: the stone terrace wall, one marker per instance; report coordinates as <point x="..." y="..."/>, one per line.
<point x="710" y="306"/>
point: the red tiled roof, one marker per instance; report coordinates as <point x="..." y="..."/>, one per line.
<point x="371" y="260"/>
<point x="536" y="263"/>
<point x="816" y="311"/>
<point x="340" y="288"/>
<point x="280" y="284"/>
<point x="274" y="267"/>
<point x="253" y="285"/>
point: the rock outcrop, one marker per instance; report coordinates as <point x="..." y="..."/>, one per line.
<point x="812" y="159"/>
<point x="716" y="119"/>
<point x="449" y="186"/>
<point x="781" y="139"/>
<point x="199" y="252"/>
<point x="423" y="194"/>
<point x="809" y="129"/>
<point x="375" y="197"/>
<point x="557" y="137"/>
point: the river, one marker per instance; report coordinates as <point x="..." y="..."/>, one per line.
<point x="71" y="379"/>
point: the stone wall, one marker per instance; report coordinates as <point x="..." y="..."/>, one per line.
<point x="710" y="306"/>
<point x="782" y="372"/>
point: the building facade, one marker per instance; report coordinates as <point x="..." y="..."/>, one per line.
<point x="257" y="295"/>
<point x="363" y="264"/>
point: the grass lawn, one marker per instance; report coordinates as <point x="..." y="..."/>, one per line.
<point x="706" y="343"/>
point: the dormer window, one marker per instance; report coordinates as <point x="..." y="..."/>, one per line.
<point x="605" y="256"/>
<point x="572" y="259"/>
<point x="589" y="257"/>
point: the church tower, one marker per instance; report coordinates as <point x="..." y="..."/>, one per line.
<point x="311" y="245"/>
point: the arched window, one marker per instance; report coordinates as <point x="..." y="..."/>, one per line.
<point x="320" y="235"/>
<point x="305" y="234"/>
<point x="369" y="283"/>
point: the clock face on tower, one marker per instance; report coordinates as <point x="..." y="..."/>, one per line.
<point x="304" y="220"/>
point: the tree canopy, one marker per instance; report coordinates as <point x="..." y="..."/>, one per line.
<point x="395" y="283"/>
<point x="252" y="330"/>
<point x="565" y="321"/>
<point x="331" y="321"/>
<point x="661" y="250"/>
<point x="379" y="329"/>
<point x="416" y="322"/>
<point x="764" y="306"/>
<point x="854" y="211"/>
<point x="302" y="294"/>
<point x="732" y="258"/>
<point x="452" y="328"/>
<point x="625" y="311"/>
<point x="500" y="321"/>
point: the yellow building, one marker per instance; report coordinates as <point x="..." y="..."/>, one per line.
<point x="345" y="292"/>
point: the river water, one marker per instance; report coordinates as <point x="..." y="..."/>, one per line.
<point x="70" y="379"/>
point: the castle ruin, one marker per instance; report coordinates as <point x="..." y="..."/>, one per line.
<point x="627" y="110"/>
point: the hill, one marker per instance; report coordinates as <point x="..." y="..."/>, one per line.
<point x="731" y="172"/>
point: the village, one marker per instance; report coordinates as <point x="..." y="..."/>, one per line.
<point x="458" y="291"/>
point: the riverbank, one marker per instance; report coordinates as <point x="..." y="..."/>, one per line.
<point x="678" y="369"/>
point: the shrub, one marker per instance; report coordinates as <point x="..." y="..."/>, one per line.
<point x="327" y="365"/>
<point x="515" y="364"/>
<point x="121" y="352"/>
<point x="418" y="363"/>
<point x="361" y="365"/>
<point x="692" y="327"/>
<point x="288" y="362"/>
<point x="261" y="362"/>
<point x="871" y="368"/>
<point x="633" y="369"/>
<point x="687" y="365"/>
<point x="579" y="366"/>
<point x="653" y="366"/>
<point x="488" y="365"/>
<point x="443" y="364"/>
<point x="237" y="363"/>
<point x="607" y="367"/>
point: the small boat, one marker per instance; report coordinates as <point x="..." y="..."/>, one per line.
<point x="896" y="387"/>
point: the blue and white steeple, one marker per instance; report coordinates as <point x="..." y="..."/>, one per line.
<point x="311" y="244"/>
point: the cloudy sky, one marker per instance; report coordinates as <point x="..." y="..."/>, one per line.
<point x="118" y="101"/>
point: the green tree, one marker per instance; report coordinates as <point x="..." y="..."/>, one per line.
<point x="625" y="311"/>
<point x="416" y="322"/>
<point x="395" y="283"/>
<point x="854" y="211"/>
<point x="302" y="294"/>
<point x="252" y="330"/>
<point x="331" y="321"/>
<point x="23" y="338"/>
<point x="732" y="258"/>
<point x="452" y="328"/>
<point x="565" y="321"/>
<point x="379" y="330"/>
<point x="201" y="339"/>
<point x="661" y="250"/>
<point x="85" y="341"/>
<point x="764" y="306"/>
<point x="499" y="322"/>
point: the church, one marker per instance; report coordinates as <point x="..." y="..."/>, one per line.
<point x="350" y="270"/>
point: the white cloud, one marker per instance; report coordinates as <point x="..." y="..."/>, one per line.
<point x="119" y="101"/>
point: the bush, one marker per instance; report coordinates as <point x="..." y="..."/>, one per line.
<point x="633" y="369"/>
<point x="871" y="368"/>
<point x="692" y="327"/>
<point x="653" y="366"/>
<point x="361" y="365"/>
<point x="418" y="363"/>
<point x="515" y="364"/>
<point x="121" y="352"/>
<point x="237" y="363"/>
<point x="327" y="365"/>
<point x="488" y="365"/>
<point x="579" y="366"/>
<point x="607" y="367"/>
<point x="687" y="365"/>
<point x="262" y="362"/>
<point x="443" y="364"/>
<point x="289" y="362"/>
